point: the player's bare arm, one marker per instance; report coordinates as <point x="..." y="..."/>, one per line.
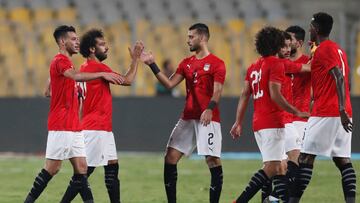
<point x="206" y="115"/>
<point x="47" y="91"/>
<point x="236" y="129"/>
<point x="82" y="76"/>
<point x="149" y="59"/>
<point x="278" y="98"/>
<point x="340" y="90"/>
<point x="135" y="54"/>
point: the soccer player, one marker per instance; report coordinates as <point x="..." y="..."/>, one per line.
<point x="199" y="126"/>
<point x="329" y="128"/>
<point x="292" y="137"/>
<point x="64" y="138"/>
<point x="301" y="94"/>
<point x="264" y="81"/>
<point x="96" y="122"/>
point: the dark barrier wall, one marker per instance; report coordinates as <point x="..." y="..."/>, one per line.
<point x="140" y="124"/>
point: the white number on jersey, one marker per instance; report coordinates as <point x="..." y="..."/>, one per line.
<point x="342" y="61"/>
<point x="256" y="77"/>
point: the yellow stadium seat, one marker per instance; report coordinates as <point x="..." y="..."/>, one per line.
<point x="236" y="25"/>
<point x="66" y="14"/>
<point x="3" y="14"/>
<point x="42" y="15"/>
<point x="20" y="15"/>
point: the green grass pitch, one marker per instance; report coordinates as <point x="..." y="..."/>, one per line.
<point x="141" y="177"/>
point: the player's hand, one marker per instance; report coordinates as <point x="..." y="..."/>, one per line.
<point x="313" y="48"/>
<point x="206" y="117"/>
<point x="345" y="121"/>
<point x="113" y="78"/>
<point x="138" y="48"/>
<point x="236" y="130"/>
<point x="303" y="114"/>
<point x="147" y="57"/>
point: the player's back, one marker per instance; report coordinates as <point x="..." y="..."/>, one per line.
<point x="327" y="56"/>
<point x="63" y="114"/>
<point x="267" y="114"/>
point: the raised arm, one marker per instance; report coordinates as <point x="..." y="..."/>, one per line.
<point x="135" y="56"/>
<point x="169" y="83"/>
<point x="278" y="98"/>
<point x="240" y="112"/>
<point x="340" y="90"/>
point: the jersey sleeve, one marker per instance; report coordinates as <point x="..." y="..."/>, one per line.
<point x="219" y="73"/>
<point x="277" y="72"/>
<point x="63" y="65"/>
<point x="292" y="67"/>
<point x="180" y="69"/>
<point x="329" y="58"/>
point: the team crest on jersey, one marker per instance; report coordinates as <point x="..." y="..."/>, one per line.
<point x="206" y="67"/>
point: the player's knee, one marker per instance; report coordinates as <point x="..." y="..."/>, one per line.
<point x="341" y="161"/>
<point x="272" y="168"/>
<point x="213" y="161"/>
<point x="172" y="156"/>
<point x="306" y="159"/>
<point x="52" y="170"/>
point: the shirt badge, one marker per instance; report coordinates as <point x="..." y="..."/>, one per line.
<point x="206" y="67"/>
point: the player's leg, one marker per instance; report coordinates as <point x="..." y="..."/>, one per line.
<point x="208" y="141"/>
<point x="78" y="182"/>
<point x="181" y="142"/>
<point x="55" y="148"/>
<point x="271" y="145"/>
<point x="293" y="140"/>
<point x="303" y="176"/>
<point x="341" y="154"/>
<point x="348" y="178"/>
<point x="214" y="164"/>
<point x="50" y="169"/>
<point x="112" y="181"/>
<point x="172" y="157"/>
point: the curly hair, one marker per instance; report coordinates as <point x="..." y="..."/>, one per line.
<point x="268" y="41"/>
<point x="88" y="40"/>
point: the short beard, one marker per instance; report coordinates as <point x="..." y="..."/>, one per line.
<point x="100" y="56"/>
<point x="293" y="52"/>
<point x="194" y="48"/>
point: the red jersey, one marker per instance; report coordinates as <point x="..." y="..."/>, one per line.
<point x="200" y="75"/>
<point x="301" y="89"/>
<point x="97" y="104"/>
<point x="267" y="114"/>
<point x="286" y="88"/>
<point x="327" y="56"/>
<point x="64" y="106"/>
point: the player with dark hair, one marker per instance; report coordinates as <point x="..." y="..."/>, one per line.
<point x="96" y="121"/>
<point x="264" y="81"/>
<point x="64" y="138"/>
<point x="329" y="129"/>
<point x="199" y="126"/>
